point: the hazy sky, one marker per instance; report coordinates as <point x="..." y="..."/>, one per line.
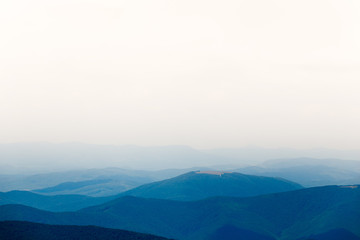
<point x="231" y="73"/>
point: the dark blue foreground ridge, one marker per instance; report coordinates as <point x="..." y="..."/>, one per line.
<point x="288" y="215"/>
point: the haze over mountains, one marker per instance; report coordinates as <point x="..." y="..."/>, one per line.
<point x="273" y="199"/>
<point x="45" y="156"/>
<point x="27" y="157"/>
<point x="197" y="205"/>
<point x="182" y="120"/>
<point x="113" y="180"/>
<point x="308" y="172"/>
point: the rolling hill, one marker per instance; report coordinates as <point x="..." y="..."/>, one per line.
<point x="288" y="215"/>
<point x="200" y="185"/>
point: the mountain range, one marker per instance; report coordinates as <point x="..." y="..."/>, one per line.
<point x="308" y="172"/>
<point x="189" y="186"/>
<point x="288" y="215"/>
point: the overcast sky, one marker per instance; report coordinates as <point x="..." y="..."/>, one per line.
<point x="208" y="74"/>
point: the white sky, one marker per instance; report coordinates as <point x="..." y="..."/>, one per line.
<point x="231" y="73"/>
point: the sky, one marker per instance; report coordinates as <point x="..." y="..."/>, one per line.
<point x="208" y="74"/>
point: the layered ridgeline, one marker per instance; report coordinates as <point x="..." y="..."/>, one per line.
<point x="58" y="203"/>
<point x="203" y="184"/>
<point x="289" y="215"/>
<point x="308" y="172"/>
<point x="10" y="230"/>
<point x="189" y="186"/>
